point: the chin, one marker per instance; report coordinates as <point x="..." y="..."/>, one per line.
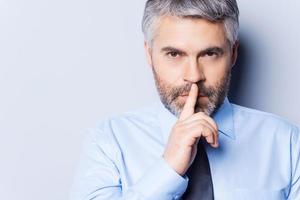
<point x="205" y="110"/>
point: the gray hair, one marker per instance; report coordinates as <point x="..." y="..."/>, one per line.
<point x="225" y="11"/>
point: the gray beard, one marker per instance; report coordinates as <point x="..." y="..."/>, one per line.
<point x="216" y="95"/>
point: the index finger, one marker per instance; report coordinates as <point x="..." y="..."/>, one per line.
<point x="189" y="106"/>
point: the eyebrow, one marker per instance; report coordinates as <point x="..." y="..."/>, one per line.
<point x="216" y="49"/>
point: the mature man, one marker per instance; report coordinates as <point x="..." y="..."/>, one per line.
<point x="194" y="143"/>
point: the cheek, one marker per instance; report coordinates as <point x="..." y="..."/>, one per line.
<point x="216" y="70"/>
<point x="168" y="70"/>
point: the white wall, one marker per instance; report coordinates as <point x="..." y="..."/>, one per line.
<point x="66" y="64"/>
<point x="269" y="58"/>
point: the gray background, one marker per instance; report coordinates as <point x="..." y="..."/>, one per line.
<point x="66" y="64"/>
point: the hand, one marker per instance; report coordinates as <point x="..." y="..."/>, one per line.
<point x="181" y="147"/>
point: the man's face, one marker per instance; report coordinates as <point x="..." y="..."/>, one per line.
<point x="186" y="51"/>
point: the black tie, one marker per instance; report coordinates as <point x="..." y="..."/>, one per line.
<point x="200" y="185"/>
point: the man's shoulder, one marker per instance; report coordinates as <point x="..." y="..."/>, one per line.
<point x="250" y="115"/>
<point x="145" y="114"/>
<point x="109" y="130"/>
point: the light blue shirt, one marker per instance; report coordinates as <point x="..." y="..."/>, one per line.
<point x="258" y="157"/>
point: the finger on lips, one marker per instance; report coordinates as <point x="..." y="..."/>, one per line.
<point x="209" y="128"/>
<point x="189" y="106"/>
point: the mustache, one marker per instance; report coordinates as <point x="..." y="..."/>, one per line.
<point x="203" y="91"/>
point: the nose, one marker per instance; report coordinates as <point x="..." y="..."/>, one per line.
<point x="193" y="72"/>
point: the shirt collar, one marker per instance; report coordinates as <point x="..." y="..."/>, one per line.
<point x="223" y="117"/>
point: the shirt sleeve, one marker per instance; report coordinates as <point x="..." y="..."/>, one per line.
<point x="98" y="176"/>
<point x="295" y="157"/>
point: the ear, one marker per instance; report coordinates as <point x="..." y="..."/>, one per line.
<point x="148" y="52"/>
<point x="234" y="53"/>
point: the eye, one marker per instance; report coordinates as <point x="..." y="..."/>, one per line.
<point x="211" y="54"/>
<point x="173" y="54"/>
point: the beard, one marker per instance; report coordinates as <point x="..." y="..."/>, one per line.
<point x="214" y="95"/>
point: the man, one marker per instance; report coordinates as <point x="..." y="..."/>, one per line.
<point x="194" y="143"/>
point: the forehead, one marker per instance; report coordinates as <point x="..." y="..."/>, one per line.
<point x="189" y="32"/>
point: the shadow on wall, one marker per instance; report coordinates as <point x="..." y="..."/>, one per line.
<point x="240" y="77"/>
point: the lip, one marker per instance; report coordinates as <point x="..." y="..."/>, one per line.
<point x="185" y="95"/>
